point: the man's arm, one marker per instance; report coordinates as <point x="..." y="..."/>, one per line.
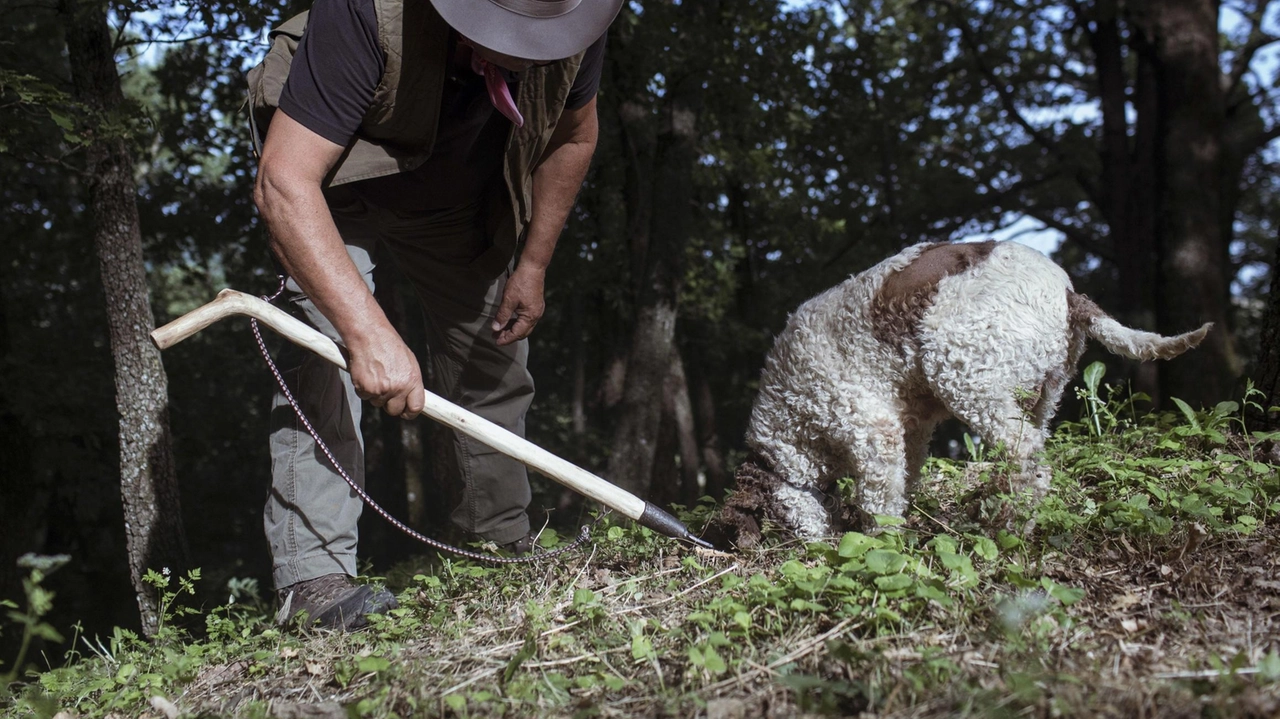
<point x="556" y="182"/>
<point x="294" y="163"/>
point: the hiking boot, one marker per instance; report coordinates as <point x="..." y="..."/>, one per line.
<point x="521" y="546"/>
<point x="333" y="602"/>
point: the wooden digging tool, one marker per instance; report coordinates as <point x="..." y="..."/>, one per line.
<point x="230" y="302"/>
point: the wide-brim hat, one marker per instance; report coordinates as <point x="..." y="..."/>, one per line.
<point x="539" y="30"/>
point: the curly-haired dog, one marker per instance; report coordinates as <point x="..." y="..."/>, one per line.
<point x="854" y="386"/>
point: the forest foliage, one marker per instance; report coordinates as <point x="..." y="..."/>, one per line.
<point x="1115" y="604"/>
<point x="826" y="135"/>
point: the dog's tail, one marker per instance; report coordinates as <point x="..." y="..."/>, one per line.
<point x="1126" y="341"/>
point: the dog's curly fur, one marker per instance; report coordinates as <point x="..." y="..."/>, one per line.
<point x="862" y="374"/>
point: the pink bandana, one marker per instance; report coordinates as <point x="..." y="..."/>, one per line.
<point x="499" y="94"/>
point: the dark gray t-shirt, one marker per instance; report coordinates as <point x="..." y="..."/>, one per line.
<point x="331" y="84"/>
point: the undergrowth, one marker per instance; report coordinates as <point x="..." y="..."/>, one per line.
<point x="1146" y="582"/>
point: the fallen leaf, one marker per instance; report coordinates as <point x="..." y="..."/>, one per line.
<point x="1127" y="546"/>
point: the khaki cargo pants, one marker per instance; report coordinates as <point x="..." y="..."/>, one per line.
<point x="311" y="513"/>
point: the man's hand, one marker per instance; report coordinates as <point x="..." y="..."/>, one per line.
<point x="522" y="305"/>
<point x="385" y="371"/>
<point x="556" y="182"/>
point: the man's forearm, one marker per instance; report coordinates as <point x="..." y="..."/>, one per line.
<point x="294" y="163"/>
<point x="305" y="240"/>
<point x="556" y="183"/>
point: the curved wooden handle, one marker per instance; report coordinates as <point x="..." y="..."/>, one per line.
<point x="230" y="302"/>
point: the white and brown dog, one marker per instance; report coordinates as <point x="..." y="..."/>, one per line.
<point x="854" y="386"/>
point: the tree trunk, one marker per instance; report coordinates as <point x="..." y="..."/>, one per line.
<point x="1127" y="194"/>
<point x="678" y="405"/>
<point x="664" y="482"/>
<point x="1138" y="256"/>
<point x="635" y="436"/>
<point x="614" y="380"/>
<point x="704" y="409"/>
<point x="1194" y="267"/>
<point x="747" y="271"/>
<point x="1266" y="374"/>
<point x="653" y="337"/>
<point x="153" y="520"/>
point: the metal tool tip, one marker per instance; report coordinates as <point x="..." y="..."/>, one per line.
<point x="700" y="541"/>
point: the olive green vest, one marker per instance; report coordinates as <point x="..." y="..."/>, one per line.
<point x="399" y="129"/>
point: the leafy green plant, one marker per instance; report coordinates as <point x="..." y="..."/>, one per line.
<point x="170" y="610"/>
<point x="1095" y="408"/>
<point x="39" y="603"/>
<point x="975" y="448"/>
<point x="1152" y="475"/>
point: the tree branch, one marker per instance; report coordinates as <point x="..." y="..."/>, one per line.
<point x="1091" y="244"/>
<point x="230" y="38"/>
<point x="1258" y="39"/>
<point x="989" y="200"/>
<point x="1265" y="137"/>
<point x="1010" y="102"/>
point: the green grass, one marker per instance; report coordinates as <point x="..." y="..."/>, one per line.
<point x="1148" y="583"/>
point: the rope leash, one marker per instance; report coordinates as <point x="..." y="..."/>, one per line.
<point x="583" y="533"/>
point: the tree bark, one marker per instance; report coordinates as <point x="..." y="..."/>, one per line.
<point x="1129" y="161"/>
<point x="153" y="520"/>
<point x="664" y="482"/>
<point x="635" y="437"/>
<point x="1194" y="267"/>
<point x="1139" y="255"/>
<point x="676" y="464"/>
<point x="653" y="337"/>
<point x="704" y="408"/>
<point x="1266" y="374"/>
<point x="614" y="379"/>
<point x="679" y="406"/>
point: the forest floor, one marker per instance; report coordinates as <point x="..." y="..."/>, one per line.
<point x="1146" y="585"/>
